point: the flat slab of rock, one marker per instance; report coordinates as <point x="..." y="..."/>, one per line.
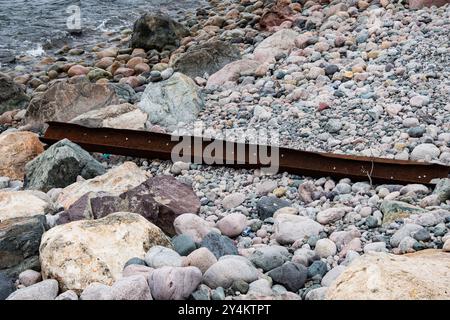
<point x="28" y="203"/>
<point x="63" y="101"/>
<point x="115" y="181"/>
<point x="17" y="149"/>
<point x="60" y="165"/>
<point x="384" y="276"/>
<point x="87" y="251"/>
<point x="208" y="58"/>
<point x="122" y="116"/>
<point x="168" y="102"/>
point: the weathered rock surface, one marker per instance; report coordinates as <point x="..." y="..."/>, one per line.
<point x="17" y="204"/>
<point x="171" y="101"/>
<point x="6" y="286"/>
<point x="232" y="71"/>
<point x="155" y="31"/>
<point x="159" y="199"/>
<point x="377" y="275"/>
<point x="83" y="252"/>
<point x="11" y="95"/>
<point x="115" y="181"/>
<point x="280" y="42"/>
<point x="19" y="244"/>
<point x="393" y="210"/>
<point x="63" y="101"/>
<point x="208" y="58"/>
<point x="122" y="116"/>
<point x="17" y="149"/>
<point x="60" y="165"/>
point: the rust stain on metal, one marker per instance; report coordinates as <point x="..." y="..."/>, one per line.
<point x="154" y="145"/>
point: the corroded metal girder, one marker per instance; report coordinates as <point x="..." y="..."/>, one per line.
<point x="152" y="145"/>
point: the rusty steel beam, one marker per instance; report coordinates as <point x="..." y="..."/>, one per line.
<point x="152" y="145"/>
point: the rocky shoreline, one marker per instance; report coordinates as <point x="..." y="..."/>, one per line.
<point x="354" y="77"/>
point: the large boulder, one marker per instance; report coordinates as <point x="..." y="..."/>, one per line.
<point x="156" y="31"/>
<point x="17" y="204"/>
<point x="280" y="42"/>
<point x="159" y="199"/>
<point x="19" y="244"/>
<point x="208" y="58"/>
<point x="63" y="100"/>
<point x="17" y="148"/>
<point x="232" y="71"/>
<point x="11" y="95"/>
<point x="122" y="116"/>
<point x="82" y="252"/>
<point x="116" y="181"/>
<point x="60" y="165"/>
<point x="384" y="276"/>
<point x="174" y="100"/>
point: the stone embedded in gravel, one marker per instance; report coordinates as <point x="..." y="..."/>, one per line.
<point x="442" y="189"/>
<point x="44" y="290"/>
<point x="265" y="187"/>
<point x="267" y="206"/>
<point x="219" y="245"/>
<point x="6" y="286"/>
<point x="333" y="126"/>
<point x="393" y="210"/>
<point x="155" y="31"/>
<point x="174" y="283"/>
<point x="232" y="225"/>
<point x="183" y="244"/>
<point x="179" y="166"/>
<point x="260" y="287"/>
<point x="286" y="210"/>
<point x="168" y="102"/>
<point x="419" y="101"/>
<point x="332" y="214"/>
<point x="332" y="275"/>
<point x="192" y="225"/>
<point x="425" y="151"/>
<point x="60" y="165"/>
<point x="201" y="258"/>
<point x="131" y="288"/>
<point x="19" y="244"/>
<point x="96" y="291"/>
<point x="374" y="275"/>
<point x="376" y="247"/>
<point x="159" y="256"/>
<point x="115" y="181"/>
<point x="407" y="245"/>
<point x="317" y="269"/>
<point x="233" y="200"/>
<point x="316" y="294"/>
<point x="229" y="269"/>
<point x="269" y="257"/>
<point x="29" y="277"/>
<point x="125" y="234"/>
<point x="231" y="72"/>
<point x="67" y="295"/>
<point x="17" y="149"/>
<point x="290" y="228"/>
<point x="325" y="248"/>
<point x="280" y="42"/>
<point x="208" y="57"/>
<point x="291" y="275"/>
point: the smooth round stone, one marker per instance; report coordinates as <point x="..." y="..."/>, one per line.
<point x="135" y="260"/>
<point x="416" y="132"/>
<point x="325" y="248"/>
<point x="29" y="277"/>
<point x="183" y="244"/>
<point x="331" y="69"/>
<point x="219" y="245"/>
<point x="159" y="256"/>
<point x="422" y="235"/>
<point x="233" y="224"/>
<point x="371" y="222"/>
